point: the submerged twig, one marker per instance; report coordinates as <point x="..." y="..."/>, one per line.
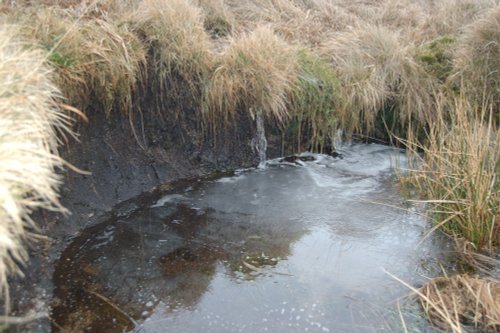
<point x="113" y="305"/>
<point x="10" y="320"/>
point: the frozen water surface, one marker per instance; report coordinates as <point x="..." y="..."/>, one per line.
<point x="293" y="247"/>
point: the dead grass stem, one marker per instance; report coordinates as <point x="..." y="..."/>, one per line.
<point x="462" y="301"/>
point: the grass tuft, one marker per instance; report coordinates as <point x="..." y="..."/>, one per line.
<point x="179" y="47"/>
<point x="448" y="17"/>
<point x="315" y="103"/>
<point x="219" y="21"/>
<point x="29" y="124"/>
<point x="98" y="63"/>
<point x="478" y="61"/>
<point x="458" y="175"/>
<point x="255" y="72"/>
<point x="379" y="73"/>
<point x="436" y="57"/>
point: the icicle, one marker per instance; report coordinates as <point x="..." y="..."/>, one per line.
<point x="260" y="142"/>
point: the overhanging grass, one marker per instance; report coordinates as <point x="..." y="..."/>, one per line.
<point x="29" y="126"/>
<point x="478" y="61"/>
<point x="315" y="103"/>
<point x="97" y="62"/>
<point x="378" y="72"/>
<point x="255" y="72"/>
<point x="179" y="47"/>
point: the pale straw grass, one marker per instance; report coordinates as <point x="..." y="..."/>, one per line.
<point x="30" y="123"/>
<point x="254" y="73"/>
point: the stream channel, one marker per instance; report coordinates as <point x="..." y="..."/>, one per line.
<point x="300" y="246"/>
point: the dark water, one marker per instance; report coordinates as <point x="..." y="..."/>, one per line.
<point x="288" y="248"/>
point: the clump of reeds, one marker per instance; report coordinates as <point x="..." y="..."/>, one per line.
<point x="254" y="73"/>
<point x="458" y="171"/>
<point x="315" y="103"/>
<point x="30" y="123"/>
<point x="459" y="302"/>
<point x="98" y="63"/>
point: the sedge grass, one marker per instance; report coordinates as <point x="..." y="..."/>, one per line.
<point x="458" y="174"/>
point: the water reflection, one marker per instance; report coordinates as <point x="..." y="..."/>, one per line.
<point x="286" y="249"/>
<point x="165" y="255"/>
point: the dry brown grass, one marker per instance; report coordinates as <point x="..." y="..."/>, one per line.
<point x="449" y="17"/>
<point x="378" y="72"/>
<point x="478" y="60"/>
<point x="98" y="63"/>
<point x="458" y="171"/>
<point x="255" y="72"/>
<point x="29" y="126"/>
<point x="460" y="301"/>
<point x="174" y="33"/>
<point x="92" y="7"/>
<point x="253" y="12"/>
<point x="219" y="20"/>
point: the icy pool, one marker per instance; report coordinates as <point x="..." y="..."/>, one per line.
<point x="294" y="247"/>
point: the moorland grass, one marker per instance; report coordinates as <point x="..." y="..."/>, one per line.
<point x="424" y="70"/>
<point x="179" y="46"/>
<point x="315" y="102"/>
<point x="31" y="125"/>
<point x="254" y="72"/>
<point x="98" y="64"/>
<point x="379" y="73"/>
<point x="457" y="173"/>
<point x="477" y="61"/>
